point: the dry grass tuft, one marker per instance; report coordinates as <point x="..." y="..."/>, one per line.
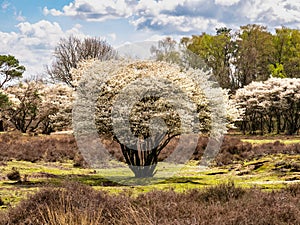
<point x="223" y="204"/>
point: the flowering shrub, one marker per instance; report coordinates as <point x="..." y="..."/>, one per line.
<point x="270" y="106"/>
<point x="145" y="104"/>
<point x="37" y="107"/>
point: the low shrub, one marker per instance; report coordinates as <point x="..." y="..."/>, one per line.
<point x="294" y="190"/>
<point x="223" y="204"/>
<point x="223" y="193"/>
<point x="14" y="175"/>
<point x="233" y="150"/>
<point x="58" y="148"/>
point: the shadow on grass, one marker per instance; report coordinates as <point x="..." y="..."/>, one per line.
<point x="95" y="180"/>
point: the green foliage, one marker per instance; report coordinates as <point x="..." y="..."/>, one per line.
<point x="287" y="46"/>
<point x="4" y="100"/>
<point x="277" y="70"/>
<point x="250" y="54"/>
<point x="9" y="69"/>
<point x="216" y="52"/>
<point x="254" y="54"/>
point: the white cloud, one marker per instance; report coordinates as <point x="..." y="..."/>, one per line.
<point x="184" y="24"/>
<point x="156" y="37"/>
<point x="34" y="43"/>
<point x="94" y="10"/>
<point x="53" y="12"/>
<point x="185" y="16"/>
<point x="272" y="12"/>
<point x="136" y="50"/>
<point x="226" y="2"/>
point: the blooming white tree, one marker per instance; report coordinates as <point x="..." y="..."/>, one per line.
<point x="143" y="105"/>
<point x="270" y="106"/>
<point x="57" y="105"/>
<point x="37" y="107"/>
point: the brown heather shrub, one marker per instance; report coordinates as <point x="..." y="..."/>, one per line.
<point x="223" y="193"/>
<point x="14" y="175"/>
<point x="233" y="150"/>
<point x="59" y="148"/>
<point x="48" y="148"/>
<point x="72" y="204"/>
<point x="223" y="204"/>
<point x="294" y="190"/>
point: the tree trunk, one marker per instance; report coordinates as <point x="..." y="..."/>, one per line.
<point x="1" y="126"/>
<point x="142" y="160"/>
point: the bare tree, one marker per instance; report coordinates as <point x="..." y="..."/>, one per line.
<point x="70" y="51"/>
<point x="166" y="50"/>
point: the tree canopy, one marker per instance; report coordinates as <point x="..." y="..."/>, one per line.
<point x="143" y="105"/>
<point x="286" y="42"/>
<point x="272" y="106"/>
<point x="37" y="107"/>
<point x="9" y="69"/>
<point x="70" y="51"/>
<point x="216" y="52"/>
<point x="252" y="53"/>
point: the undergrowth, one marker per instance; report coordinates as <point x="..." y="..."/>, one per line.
<point x="63" y="147"/>
<point x="224" y="204"/>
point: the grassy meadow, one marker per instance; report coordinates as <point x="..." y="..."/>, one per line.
<point x="38" y="169"/>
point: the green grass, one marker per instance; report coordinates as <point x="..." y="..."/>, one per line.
<point x="265" y="141"/>
<point x="262" y="173"/>
<point x="41" y="174"/>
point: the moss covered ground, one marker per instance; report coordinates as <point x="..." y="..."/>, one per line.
<point x="268" y="172"/>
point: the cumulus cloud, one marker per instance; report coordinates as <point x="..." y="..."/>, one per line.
<point x="94" y="10"/>
<point x="53" y="12"/>
<point x="33" y="43"/>
<point x="226" y="2"/>
<point x="280" y="12"/>
<point x="185" y="16"/>
<point x="181" y="24"/>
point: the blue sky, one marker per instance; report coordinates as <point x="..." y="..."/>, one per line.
<point x="30" y="29"/>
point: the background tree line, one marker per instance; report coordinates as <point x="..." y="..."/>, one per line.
<point x="236" y="58"/>
<point x="271" y="106"/>
<point x="259" y="69"/>
<point x="250" y="54"/>
<point x="247" y="62"/>
<point x="45" y="105"/>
